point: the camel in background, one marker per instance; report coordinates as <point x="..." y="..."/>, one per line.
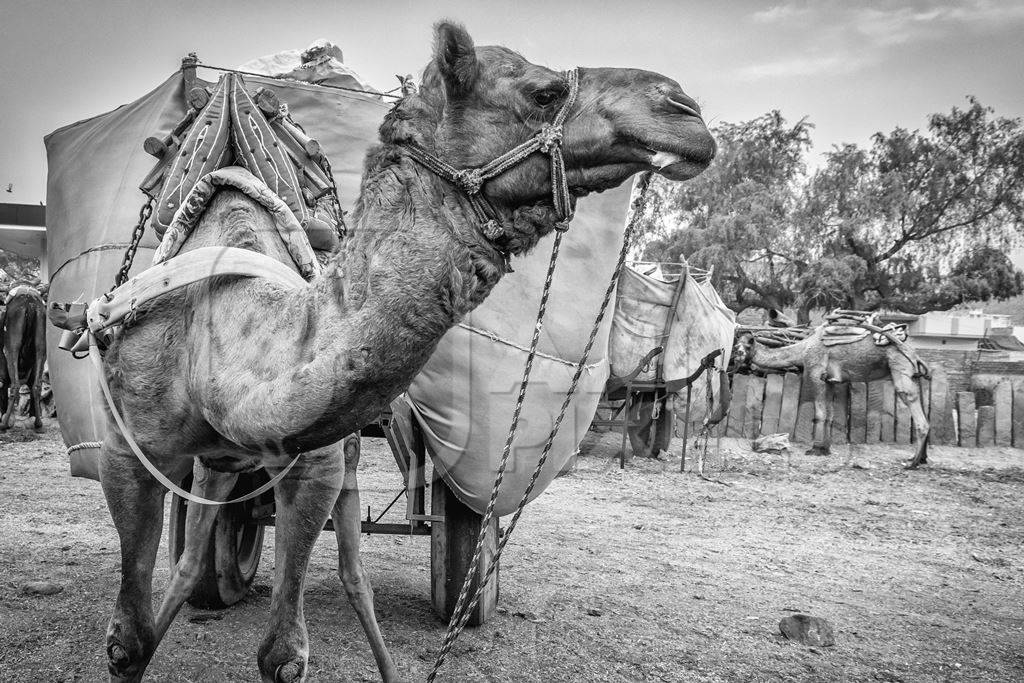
<point x="23" y="329"/>
<point x="241" y="373"/>
<point x="859" y="360"/>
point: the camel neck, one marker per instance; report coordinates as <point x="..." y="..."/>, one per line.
<point x="414" y="264"/>
<point x="415" y="243"/>
<point x="779" y="358"/>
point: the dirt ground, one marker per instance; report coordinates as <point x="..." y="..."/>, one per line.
<point x="641" y="574"/>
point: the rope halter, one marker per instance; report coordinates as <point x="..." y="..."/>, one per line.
<point x="548" y="140"/>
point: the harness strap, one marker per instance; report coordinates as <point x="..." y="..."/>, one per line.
<point x="97" y="361"/>
<point x="185" y="269"/>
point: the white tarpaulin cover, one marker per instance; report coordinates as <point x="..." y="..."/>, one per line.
<point x="701" y="323"/>
<point x="464" y="396"/>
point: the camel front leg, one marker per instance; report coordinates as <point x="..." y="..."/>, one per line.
<point x="199" y="521"/>
<point x="346" y="517"/>
<point x="135" y="501"/>
<point x="304" y="500"/>
<point x="822" y="418"/>
<point x="908" y="390"/>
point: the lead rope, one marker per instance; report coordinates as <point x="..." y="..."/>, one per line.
<point x="464" y="607"/>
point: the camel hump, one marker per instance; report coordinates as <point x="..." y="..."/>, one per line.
<point x="244" y="206"/>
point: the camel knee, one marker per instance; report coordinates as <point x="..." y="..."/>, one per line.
<point x="355" y="581"/>
<point x="190" y="566"/>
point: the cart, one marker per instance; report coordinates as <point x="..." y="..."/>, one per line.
<point x="644" y="409"/>
<point x="236" y="543"/>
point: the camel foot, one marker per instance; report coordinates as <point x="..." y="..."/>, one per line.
<point x="282" y="659"/>
<point x="122" y="666"/>
<point x="818" y="449"/>
<point x="4" y="426"/>
<point x="290" y="672"/>
<point x="38" y="427"/>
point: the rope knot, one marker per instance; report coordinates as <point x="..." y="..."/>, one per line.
<point x="492" y="230"/>
<point x="550" y="136"/>
<point x="469" y="179"/>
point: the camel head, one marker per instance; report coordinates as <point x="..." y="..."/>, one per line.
<point x="742" y="351"/>
<point x="477" y="103"/>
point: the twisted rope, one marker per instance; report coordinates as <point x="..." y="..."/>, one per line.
<point x="463" y="608"/>
<point x="83" y="446"/>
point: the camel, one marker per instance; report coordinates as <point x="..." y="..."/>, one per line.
<point x="237" y="373"/>
<point x="825" y="366"/>
<point x="23" y="327"/>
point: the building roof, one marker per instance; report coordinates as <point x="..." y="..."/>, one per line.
<point x="23" y="229"/>
<point x="1001" y="342"/>
<point x="23" y="214"/>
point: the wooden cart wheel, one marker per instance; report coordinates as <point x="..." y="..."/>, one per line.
<point x="233" y="554"/>
<point x="451" y="550"/>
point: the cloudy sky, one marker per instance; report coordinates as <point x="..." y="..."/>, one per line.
<point x="853" y="67"/>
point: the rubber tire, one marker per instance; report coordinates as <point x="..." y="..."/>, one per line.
<point x="451" y="552"/>
<point x="236" y="535"/>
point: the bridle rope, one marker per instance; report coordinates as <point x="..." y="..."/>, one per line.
<point x="548" y="140"/>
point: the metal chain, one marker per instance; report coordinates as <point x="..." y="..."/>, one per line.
<point x="463" y="609"/>
<point x="338" y="213"/>
<point x="129" y="253"/>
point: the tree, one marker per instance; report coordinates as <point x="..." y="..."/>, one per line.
<point x="917" y="222"/>
<point x="735" y="216"/>
<point x="16" y="269"/>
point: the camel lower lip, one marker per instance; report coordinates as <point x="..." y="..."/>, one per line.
<point x="682" y="170"/>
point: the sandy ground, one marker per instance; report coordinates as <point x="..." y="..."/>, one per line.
<point x="642" y="574"/>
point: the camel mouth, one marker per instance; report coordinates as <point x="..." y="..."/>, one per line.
<point x="678" y="159"/>
<point x="675" y="167"/>
<point x="682" y="165"/>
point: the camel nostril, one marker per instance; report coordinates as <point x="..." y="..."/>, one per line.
<point x="684" y="104"/>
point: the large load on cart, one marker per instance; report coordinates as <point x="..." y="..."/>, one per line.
<point x="103" y="169"/>
<point x="671" y="336"/>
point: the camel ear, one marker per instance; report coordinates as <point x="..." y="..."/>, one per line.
<point x="455" y="57"/>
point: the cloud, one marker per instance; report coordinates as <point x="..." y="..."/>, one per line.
<point x="837" y="37"/>
<point x="800" y="66"/>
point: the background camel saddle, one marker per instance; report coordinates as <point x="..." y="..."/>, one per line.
<point x="230" y="127"/>
<point x="835" y="335"/>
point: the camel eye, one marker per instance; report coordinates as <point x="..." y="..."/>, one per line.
<point x="544" y="98"/>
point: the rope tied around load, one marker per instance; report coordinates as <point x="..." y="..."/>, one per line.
<point x="465" y="604"/>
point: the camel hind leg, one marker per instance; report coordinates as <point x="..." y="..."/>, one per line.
<point x="304" y="500"/>
<point x="346" y="517"/>
<point x="36" y="386"/>
<point x="199" y="521"/>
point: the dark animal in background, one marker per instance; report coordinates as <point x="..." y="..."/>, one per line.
<point x="23" y="328"/>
